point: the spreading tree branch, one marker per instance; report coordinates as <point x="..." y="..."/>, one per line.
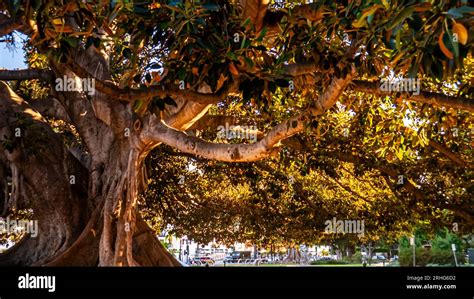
<point x="28" y="74"/>
<point x="214" y="121"/>
<point x="132" y="94"/>
<point x="224" y="152"/>
<point x="424" y="96"/>
<point x="303" y="68"/>
<point x="448" y="153"/>
<point x="157" y="131"/>
<point x="8" y="26"/>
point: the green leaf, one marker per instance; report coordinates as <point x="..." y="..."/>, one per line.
<point x="413" y="71"/>
<point x="175" y="3"/>
<point x="97" y="42"/>
<point x="137" y="105"/>
<point x="72" y="41"/>
<point x="89" y="41"/>
<point x="450" y="43"/>
<point x="181" y="74"/>
<point x="249" y="62"/>
<point x="262" y="34"/>
<point x="138" y="9"/>
<point x="201" y="21"/>
<point x="211" y="6"/>
<point x="370" y="19"/>
<point x="246" y="22"/>
<point x="398" y="44"/>
<point x="245" y="43"/>
<point x="437" y="70"/>
<point x="16" y="6"/>
<point x="361" y="22"/>
<point x="114" y="12"/>
<point x="202" y="44"/>
<point x="232" y="55"/>
<point x="458" y="12"/>
<point x="406" y="12"/>
<point x="399" y="154"/>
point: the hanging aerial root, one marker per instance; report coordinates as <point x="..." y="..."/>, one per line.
<point x="127" y="218"/>
<point x="116" y="245"/>
<point x="16" y="182"/>
<point x="106" y="251"/>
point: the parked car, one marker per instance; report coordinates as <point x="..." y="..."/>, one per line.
<point x="195" y="262"/>
<point x="325" y="258"/>
<point x="206" y="260"/>
<point x="378" y="258"/>
<point x="240" y="255"/>
<point x="381" y="257"/>
<point x="229" y="259"/>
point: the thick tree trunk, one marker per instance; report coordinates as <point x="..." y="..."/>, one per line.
<point x="45" y="177"/>
<point x="81" y="222"/>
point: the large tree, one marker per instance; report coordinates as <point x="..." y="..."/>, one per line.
<point x="170" y="72"/>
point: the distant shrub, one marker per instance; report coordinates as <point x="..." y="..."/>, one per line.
<point x="422" y="258"/>
<point x="429" y="257"/>
<point x="445" y="257"/>
<point x="356" y="258"/>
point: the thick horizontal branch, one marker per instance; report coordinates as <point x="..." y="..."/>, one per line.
<point x="214" y="121"/>
<point x="187" y="115"/>
<point x="8" y="26"/>
<point x="132" y="94"/>
<point x="423" y="97"/>
<point x="28" y="74"/>
<point x="448" y="153"/>
<point x="157" y="131"/>
<point x="224" y="152"/>
<point x="298" y="69"/>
